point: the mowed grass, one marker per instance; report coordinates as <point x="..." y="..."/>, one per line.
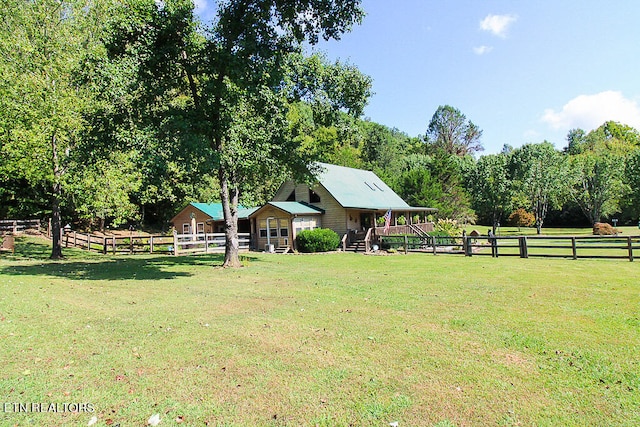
<point x="328" y="340"/>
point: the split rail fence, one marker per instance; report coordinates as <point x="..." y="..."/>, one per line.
<point x="575" y="247"/>
<point x="172" y="244"/>
<point x="18" y="225"/>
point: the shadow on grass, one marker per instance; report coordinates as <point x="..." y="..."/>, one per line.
<point x="83" y="265"/>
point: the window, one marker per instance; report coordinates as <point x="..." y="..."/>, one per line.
<point x="200" y="228"/>
<point x="284" y="232"/>
<point x="273" y="232"/>
<point x="292" y="196"/>
<point x="186" y="228"/>
<point x="305" y="223"/>
<point x="313" y="197"/>
<point x="263" y="232"/>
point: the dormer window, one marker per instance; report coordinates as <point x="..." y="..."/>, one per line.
<point x="292" y="196"/>
<point x="313" y="197"/>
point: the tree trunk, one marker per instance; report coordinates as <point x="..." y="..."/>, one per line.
<point x="56" y="226"/>
<point x="229" y="198"/>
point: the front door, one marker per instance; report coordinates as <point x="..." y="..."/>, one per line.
<point x="366" y="220"/>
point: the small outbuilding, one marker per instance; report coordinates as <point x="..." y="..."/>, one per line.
<point x="200" y="218"/>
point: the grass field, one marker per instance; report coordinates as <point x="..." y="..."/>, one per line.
<point x="327" y="340"/>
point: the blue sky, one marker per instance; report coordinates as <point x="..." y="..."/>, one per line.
<point x="523" y="71"/>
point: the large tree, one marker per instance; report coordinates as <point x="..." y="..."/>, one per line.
<point x="42" y="46"/>
<point x="540" y="177"/>
<point x="490" y="187"/>
<point x="449" y="130"/>
<point x="232" y="79"/>
<point x="597" y="183"/>
<point x="597" y="164"/>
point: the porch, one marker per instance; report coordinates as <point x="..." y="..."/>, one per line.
<point x="363" y="241"/>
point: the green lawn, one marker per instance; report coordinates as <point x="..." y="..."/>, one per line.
<point x="328" y="340"/>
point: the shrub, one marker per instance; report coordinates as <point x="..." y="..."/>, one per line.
<point x="448" y="227"/>
<point x="604" y="229"/>
<point x="317" y="240"/>
<point x="522" y="218"/>
<point x="401" y="220"/>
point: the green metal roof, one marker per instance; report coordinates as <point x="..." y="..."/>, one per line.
<point x="214" y="210"/>
<point x="358" y="188"/>
<point x="296" y="208"/>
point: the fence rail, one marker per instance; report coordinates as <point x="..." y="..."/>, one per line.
<point x="18" y="225"/>
<point x="175" y="244"/>
<point x="575" y="247"/>
<point x="206" y="243"/>
<point x="133" y="244"/>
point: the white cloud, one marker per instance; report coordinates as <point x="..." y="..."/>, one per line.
<point x="588" y="112"/>
<point x="498" y="25"/>
<point x="481" y="50"/>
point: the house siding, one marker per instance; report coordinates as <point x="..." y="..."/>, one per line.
<point x="184" y="217"/>
<point x="335" y="216"/>
<point x="279" y="220"/>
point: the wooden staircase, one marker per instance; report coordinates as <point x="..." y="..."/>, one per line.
<point x="282" y="250"/>
<point x="356" y="246"/>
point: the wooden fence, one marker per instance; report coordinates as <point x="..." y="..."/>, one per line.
<point x="206" y="243"/>
<point x="575" y="247"/>
<point x="19" y="225"/>
<point x="133" y="244"/>
<point x="174" y="244"/>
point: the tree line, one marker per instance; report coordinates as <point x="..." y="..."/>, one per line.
<point x="121" y="112"/>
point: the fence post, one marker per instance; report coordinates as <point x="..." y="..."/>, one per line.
<point x="630" y="246"/>
<point x="75" y="239"/>
<point x="15" y="227"/>
<point x="104" y="245"/>
<point x="524" y="252"/>
<point x="574" y="248"/>
<point x="406" y="244"/>
<point x="151" y="244"/>
<point x="175" y="242"/>
<point x="88" y="242"/>
<point x="433" y="244"/>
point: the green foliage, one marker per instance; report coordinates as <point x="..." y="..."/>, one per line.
<point x="317" y="240"/>
<point x="449" y="130"/>
<point x="436" y="185"/>
<point x="490" y="186"/>
<point x="232" y="84"/>
<point x="103" y="190"/>
<point x="43" y="101"/>
<point x="540" y="175"/>
<point x="597" y="183"/>
<point x="448" y="227"/>
<point x="401" y="220"/>
<point x="632" y="181"/>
